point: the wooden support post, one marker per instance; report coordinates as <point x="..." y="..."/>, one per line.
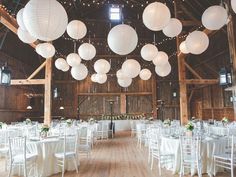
<point x="47" y="92"/>
<point x="123" y="103"/>
<point x="154" y="96"/>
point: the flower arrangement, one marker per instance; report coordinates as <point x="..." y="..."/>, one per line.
<point x="167" y="122"/>
<point x="28" y="121"/>
<point x="189" y="126"/>
<point x="69" y="122"/>
<point x="1" y="125"/>
<point x="44" y="128"/>
<point x="225" y="120"/>
<point x="91" y="120"/>
<point x="150" y="118"/>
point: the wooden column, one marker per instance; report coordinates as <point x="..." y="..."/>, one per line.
<point x="154" y="96"/>
<point x="231" y="29"/>
<point x="47" y="92"/>
<point x="123" y="103"/>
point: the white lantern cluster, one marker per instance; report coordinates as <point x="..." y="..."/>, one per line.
<point x="149" y="52"/>
<point x="46" y="50"/>
<point x="214" y="17"/>
<point x="160" y="59"/>
<point x="79" y="72"/>
<point x="145" y="74"/>
<point x="62" y="65"/>
<point x="76" y="29"/>
<point x="102" y="67"/>
<point x="163" y="70"/>
<point x="173" y="28"/>
<point x="122" y="79"/>
<point x="122" y="39"/>
<point x="73" y="59"/>
<point x="131" y="68"/>
<point x="233" y="4"/>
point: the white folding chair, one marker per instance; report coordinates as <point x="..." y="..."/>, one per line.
<point x="133" y="128"/>
<point x="85" y="141"/>
<point x="69" y="152"/>
<point x="19" y="157"/>
<point x="141" y="134"/>
<point x="228" y="158"/>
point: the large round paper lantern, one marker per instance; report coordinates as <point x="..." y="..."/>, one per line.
<point x="93" y="78"/>
<point x="46" y="50"/>
<point x="120" y="74"/>
<point x="197" y="42"/>
<point x="183" y="48"/>
<point x="145" y="74"/>
<point x="214" y="17"/>
<point x="60" y="63"/>
<point x="45" y="19"/>
<point x="76" y="29"/>
<point x="19" y="19"/>
<point x="79" y="72"/>
<point x="131" y="68"/>
<point x="101" y="78"/>
<point x="160" y="59"/>
<point x="156" y="16"/>
<point x="125" y="82"/>
<point x="122" y="39"/>
<point x="25" y="37"/>
<point x="149" y="52"/>
<point x="163" y="70"/>
<point x="73" y="59"/>
<point x="87" y="51"/>
<point x="65" y="68"/>
<point x="102" y="66"/>
<point x="173" y="28"/>
<point x="233" y="4"/>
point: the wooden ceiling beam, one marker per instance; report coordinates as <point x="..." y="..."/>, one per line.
<point x="27" y="82"/>
<point x="192" y="70"/>
<point x="201" y="81"/>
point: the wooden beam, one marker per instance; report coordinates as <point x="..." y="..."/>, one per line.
<point x="118" y="93"/>
<point x="27" y="82"/>
<point x="202" y="81"/>
<point x="123" y="109"/>
<point x="192" y="71"/>
<point x="37" y="70"/>
<point x="154" y="96"/>
<point x="47" y="92"/>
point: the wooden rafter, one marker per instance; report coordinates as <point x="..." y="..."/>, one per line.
<point x="37" y="70"/>
<point x="28" y="82"/>
<point x="201" y="81"/>
<point x="192" y="70"/>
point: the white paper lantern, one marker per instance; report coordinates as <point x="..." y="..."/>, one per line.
<point x="122" y="39"/>
<point x="214" y="17"/>
<point x="145" y="74"/>
<point x="120" y="74"/>
<point x="25" y="37"/>
<point x="87" y="51"/>
<point x="101" y="78"/>
<point x="93" y="78"/>
<point x="160" y="59"/>
<point x="197" y="42"/>
<point x="156" y="16"/>
<point x="149" y="52"/>
<point x="183" y="48"/>
<point x="131" y="68"/>
<point x="233" y="4"/>
<point x="73" y="59"/>
<point x="60" y="63"/>
<point x="46" y="50"/>
<point x="66" y="68"/>
<point x="102" y="66"/>
<point x="173" y="28"/>
<point x="19" y="19"/>
<point x="45" y="19"/>
<point x="163" y="70"/>
<point x="125" y="82"/>
<point x="79" y="72"/>
<point x="76" y="29"/>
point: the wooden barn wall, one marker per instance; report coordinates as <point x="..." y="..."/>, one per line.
<point x="13" y="101"/>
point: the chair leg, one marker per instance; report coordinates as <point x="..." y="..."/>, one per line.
<point x="76" y="165"/>
<point x="152" y="163"/>
<point x="232" y="170"/>
<point x="159" y="166"/>
<point x="10" y="169"/>
<point x="25" y="171"/>
<point x="214" y="168"/>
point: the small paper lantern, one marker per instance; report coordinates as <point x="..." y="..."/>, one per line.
<point x="173" y="28"/>
<point x="160" y="59"/>
<point x="156" y="16"/>
<point x="125" y="82"/>
<point x="145" y="74"/>
<point x="60" y="63"/>
<point x="163" y="70"/>
<point x="149" y="52"/>
<point x="183" y="48"/>
<point x="93" y="78"/>
<point x="102" y="66"/>
<point x="46" y="50"/>
<point x="25" y="37"/>
<point x="214" y="17"/>
<point x="233" y="4"/>
<point x="101" y="78"/>
<point x="66" y="68"/>
<point x="87" y="51"/>
<point x="122" y="39"/>
<point x="79" y="72"/>
<point x="131" y="68"/>
<point x="197" y="42"/>
<point x="73" y="59"/>
<point x="76" y="29"/>
<point x="45" y="19"/>
<point x="19" y="19"/>
<point x="120" y="74"/>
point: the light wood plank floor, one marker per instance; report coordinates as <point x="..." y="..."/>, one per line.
<point x="118" y="157"/>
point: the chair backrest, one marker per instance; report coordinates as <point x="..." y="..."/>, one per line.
<point x="105" y="127"/>
<point x="132" y="125"/>
<point x="17" y="146"/>
<point x="70" y="142"/>
<point x="154" y="139"/>
<point x="4" y="135"/>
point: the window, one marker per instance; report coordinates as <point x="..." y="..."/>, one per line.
<point x="115" y="13"/>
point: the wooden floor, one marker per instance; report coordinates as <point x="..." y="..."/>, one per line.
<point x="118" y="157"/>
